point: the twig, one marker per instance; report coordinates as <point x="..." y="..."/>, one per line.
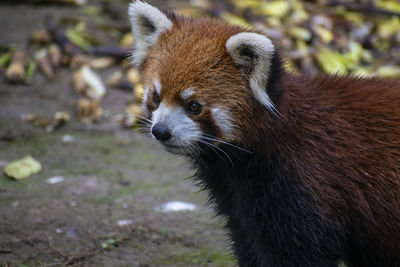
<point x="365" y="9"/>
<point x="59" y="252"/>
<point x="71" y="258"/>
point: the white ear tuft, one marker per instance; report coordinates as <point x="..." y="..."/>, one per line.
<point x="253" y="53"/>
<point x="148" y="23"/>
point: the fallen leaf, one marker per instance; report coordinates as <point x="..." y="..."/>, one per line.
<point x="22" y="168"/>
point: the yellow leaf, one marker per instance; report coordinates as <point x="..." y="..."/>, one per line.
<point x="80" y="27"/>
<point x="301" y="45"/>
<point x="330" y="61"/>
<point x="276" y="8"/>
<point x="389" y="5"/>
<point x="235" y="20"/>
<point x="389" y="71"/>
<point x="298" y="16"/>
<point x="274" y="22"/>
<point x="127" y="40"/>
<point x="324" y="34"/>
<point x="22" y="168"/>
<point x="362" y="71"/>
<point x="382" y="45"/>
<point x="253" y="4"/>
<point x="351" y="16"/>
<point x="355" y="53"/>
<point x="139" y="91"/>
<point x="388" y="28"/>
<point x="300" y="33"/>
<point x="367" y="56"/>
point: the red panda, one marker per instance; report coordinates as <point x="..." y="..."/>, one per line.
<point x="306" y="170"/>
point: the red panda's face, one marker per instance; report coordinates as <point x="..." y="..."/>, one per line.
<point x="190" y="105"/>
<point x="202" y="79"/>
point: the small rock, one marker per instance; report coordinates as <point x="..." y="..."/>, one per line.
<point x="55" y="179"/>
<point x="68" y="139"/>
<point x="124" y="222"/>
<point x="175" y="206"/>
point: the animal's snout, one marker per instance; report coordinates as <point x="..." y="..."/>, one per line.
<point x="161" y="132"/>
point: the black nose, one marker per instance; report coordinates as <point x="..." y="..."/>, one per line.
<point x="161" y="132"/>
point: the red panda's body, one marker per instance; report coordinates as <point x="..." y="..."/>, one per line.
<point x="324" y="178"/>
<point x="306" y="170"/>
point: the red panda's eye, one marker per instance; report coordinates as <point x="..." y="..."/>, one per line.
<point x="194" y="108"/>
<point x="156" y="98"/>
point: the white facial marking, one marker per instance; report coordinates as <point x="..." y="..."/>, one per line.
<point x="157" y="86"/>
<point x="224" y="121"/>
<point x="264" y="49"/>
<point x="148" y="23"/>
<point x="183" y="129"/>
<point x="147" y="91"/>
<point x="187" y="93"/>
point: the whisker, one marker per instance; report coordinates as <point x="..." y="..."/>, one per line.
<point x="195" y="151"/>
<point x="143" y="124"/>
<point x="143" y="118"/>
<point x="213" y="146"/>
<point x="213" y="138"/>
<point x="143" y="129"/>
<point x="191" y="152"/>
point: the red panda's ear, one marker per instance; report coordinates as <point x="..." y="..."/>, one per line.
<point x="148" y="23"/>
<point x="253" y="54"/>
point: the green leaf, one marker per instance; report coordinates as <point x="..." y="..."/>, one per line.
<point x="30" y="70"/>
<point x="107" y="243"/>
<point x="22" y="168"/>
<point x="77" y="39"/>
<point x="5" y="58"/>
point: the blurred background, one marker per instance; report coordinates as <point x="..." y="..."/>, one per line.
<point x="80" y="184"/>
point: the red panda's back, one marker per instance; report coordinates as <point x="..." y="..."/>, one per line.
<point x="345" y="145"/>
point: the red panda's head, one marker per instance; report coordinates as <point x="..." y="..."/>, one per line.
<point x="204" y="80"/>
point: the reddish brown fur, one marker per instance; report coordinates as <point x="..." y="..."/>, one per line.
<point x="344" y="142"/>
<point x="339" y="135"/>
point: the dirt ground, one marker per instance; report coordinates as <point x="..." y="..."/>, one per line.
<point x="106" y="212"/>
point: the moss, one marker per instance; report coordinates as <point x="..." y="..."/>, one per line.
<point x="204" y="256"/>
